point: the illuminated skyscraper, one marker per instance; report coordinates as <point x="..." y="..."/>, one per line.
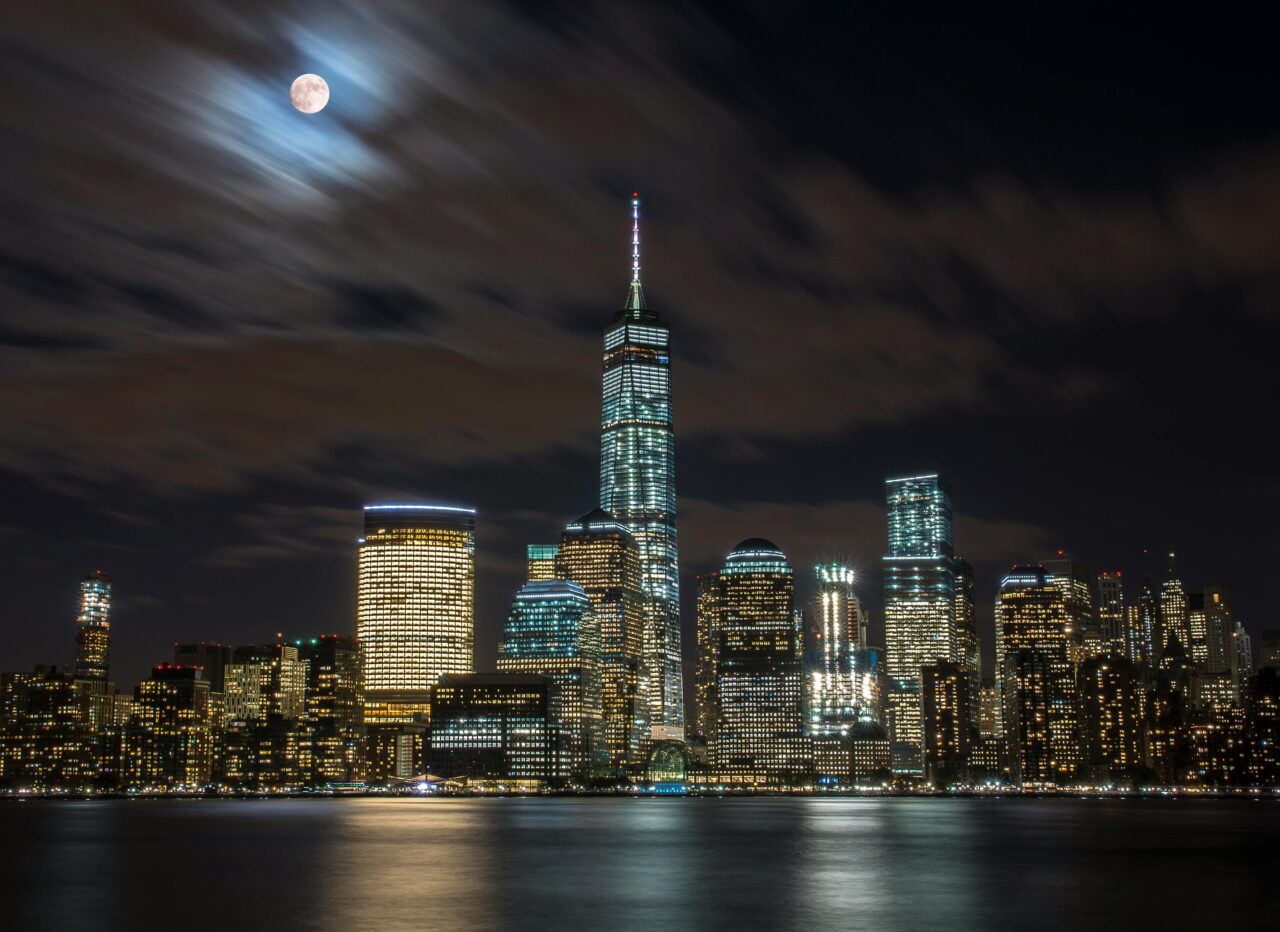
<point x="599" y="554"/>
<point x="948" y="729"/>
<point x="637" y="480"/>
<point x="834" y="697"/>
<point x="1197" y="629"/>
<point x="1077" y="592"/>
<point x="1111" y="704"/>
<point x="707" y="687"/>
<point x="552" y="632"/>
<point x="93" y="628"/>
<point x="1033" y="622"/>
<point x="1173" y="608"/>
<point x="759" y="732"/>
<point x="968" y="647"/>
<point x="1111" y="613"/>
<point x="415" y="604"/>
<point x="281" y="680"/>
<point x="919" y="595"/>
<point x="334" y="707"/>
<point x="542" y="561"/>
<point x="1219" y="679"/>
<point x="1144" y="629"/>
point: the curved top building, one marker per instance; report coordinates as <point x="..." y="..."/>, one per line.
<point x="415" y="603"/>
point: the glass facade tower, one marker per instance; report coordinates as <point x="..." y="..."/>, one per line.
<point x="552" y="632"/>
<point x="919" y="595"/>
<point x="637" y="481"/>
<point x="415" y="604"/>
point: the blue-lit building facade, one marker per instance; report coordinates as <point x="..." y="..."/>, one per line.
<point x="637" y="481"/>
<point x="919" y="595"/>
<point x="552" y="631"/>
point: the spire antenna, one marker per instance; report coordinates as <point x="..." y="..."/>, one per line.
<point x="635" y="236"/>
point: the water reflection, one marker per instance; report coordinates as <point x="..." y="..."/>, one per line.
<point x="632" y="864"/>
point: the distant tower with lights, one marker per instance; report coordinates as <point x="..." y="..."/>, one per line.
<point x="637" y="481"/>
<point x="93" y="628"/>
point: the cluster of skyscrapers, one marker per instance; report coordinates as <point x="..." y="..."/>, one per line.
<point x="1092" y="685"/>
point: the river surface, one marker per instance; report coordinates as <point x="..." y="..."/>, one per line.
<point x="639" y="864"/>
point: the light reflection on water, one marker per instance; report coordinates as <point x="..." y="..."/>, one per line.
<point x="624" y="864"/>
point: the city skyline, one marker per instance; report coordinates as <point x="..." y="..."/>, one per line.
<point x="875" y="258"/>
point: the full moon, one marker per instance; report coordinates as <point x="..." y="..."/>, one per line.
<point x="309" y="93"/>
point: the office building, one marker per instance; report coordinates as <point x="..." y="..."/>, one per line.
<point x="1111" y="613"/>
<point x="707" y="685"/>
<point x="168" y="744"/>
<point x="948" y="728"/>
<point x="1033" y="624"/>
<point x="1243" y="656"/>
<point x="1083" y="638"/>
<point x="210" y="657"/>
<point x="968" y="647"/>
<point x="551" y="631"/>
<point x="1262" y="727"/>
<point x="919" y="614"/>
<point x="415" y="604"/>
<point x="834" y="695"/>
<point x="1111" y="707"/>
<point x="759" y="732"/>
<point x="270" y="679"/>
<point x="334" y="706"/>
<point x="46" y="742"/>
<point x="540" y="561"/>
<point x="1197" y="630"/>
<point x="871" y="760"/>
<point x="599" y="554"/>
<point x="1219" y="682"/>
<point x="1217" y="753"/>
<point x="637" y="481"/>
<point x="1174" y="607"/>
<point x="499" y="728"/>
<point x="1144" y="628"/>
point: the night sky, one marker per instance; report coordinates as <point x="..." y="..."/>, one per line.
<point x="1041" y="256"/>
